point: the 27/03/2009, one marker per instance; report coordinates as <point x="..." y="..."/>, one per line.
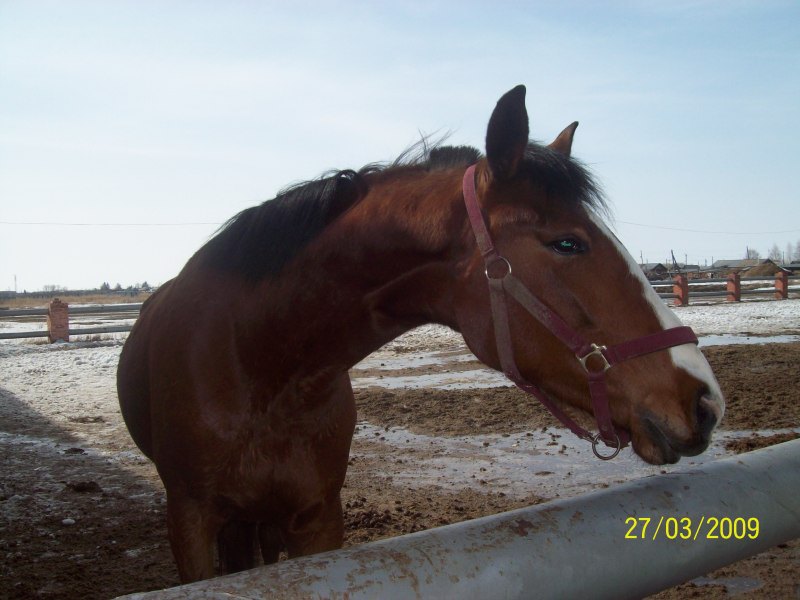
<point x="686" y="528"/>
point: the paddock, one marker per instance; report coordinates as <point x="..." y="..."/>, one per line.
<point x="439" y="441"/>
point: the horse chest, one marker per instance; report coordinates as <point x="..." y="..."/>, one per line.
<point x="285" y="465"/>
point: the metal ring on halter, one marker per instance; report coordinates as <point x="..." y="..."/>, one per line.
<point x="494" y="260"/>
<point x="596" y="439"/>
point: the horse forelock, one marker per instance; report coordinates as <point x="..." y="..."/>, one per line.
<point x="559" y="175"/>
<point x="562" y="177"/>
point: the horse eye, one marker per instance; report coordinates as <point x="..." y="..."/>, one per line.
<point x="568" y="246"/>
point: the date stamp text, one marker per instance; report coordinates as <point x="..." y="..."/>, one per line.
<point x="686" y="528"/>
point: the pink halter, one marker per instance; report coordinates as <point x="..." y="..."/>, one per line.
<point x="596" y="359"/>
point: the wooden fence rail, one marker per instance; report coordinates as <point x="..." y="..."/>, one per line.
<point x="683" y="289"/>
<point x="58" y="316"/>
<point x="58" y="313"/>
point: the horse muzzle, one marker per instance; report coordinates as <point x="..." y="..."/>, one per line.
<point x="658" y="442"/>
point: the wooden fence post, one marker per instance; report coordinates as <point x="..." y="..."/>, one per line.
<point x="781" y="285"/>
<point x="734" y="288"/>
<point x="680" y="287"/>
<point x="58" y="321"/>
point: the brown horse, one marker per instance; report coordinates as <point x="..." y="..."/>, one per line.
<point x="234" y="380"/>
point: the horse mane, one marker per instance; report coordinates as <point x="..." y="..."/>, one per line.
<point x="259" y="241"/>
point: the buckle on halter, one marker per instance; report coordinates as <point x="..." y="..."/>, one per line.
<point x="596" y="351"/>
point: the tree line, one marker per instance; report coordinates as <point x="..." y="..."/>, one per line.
<point x="105" y="287"/>
<point x="791" y="252"/>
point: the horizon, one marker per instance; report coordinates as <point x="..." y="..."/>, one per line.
<point x="106" y="287"/>
<point x="130" y="131"/>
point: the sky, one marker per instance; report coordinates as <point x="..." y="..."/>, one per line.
<point x="130" y="130"/>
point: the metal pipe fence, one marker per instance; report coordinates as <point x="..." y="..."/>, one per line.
<point x="628" y="541"/>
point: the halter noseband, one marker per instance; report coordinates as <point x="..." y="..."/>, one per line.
<point x="594" y="358"/>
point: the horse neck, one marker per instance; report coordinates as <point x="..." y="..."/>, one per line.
<point x="381" y="269"/>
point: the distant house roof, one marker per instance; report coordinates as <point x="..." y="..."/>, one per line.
<point x="736" y="264"/>
<point x="755" y="266"/>
<point x="654" y="271"/>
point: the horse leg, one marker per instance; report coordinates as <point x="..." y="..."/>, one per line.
<point x="317" y="525"/>
<point x="318" y="529"/>
<point x="236" y="546"/>
<point x="192" y="532"/>
<point x="271" y="542"/>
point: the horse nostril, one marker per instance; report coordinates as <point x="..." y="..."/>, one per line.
<point x="705" y="412"/>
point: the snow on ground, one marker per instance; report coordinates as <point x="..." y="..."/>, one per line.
<point x="553" y="462"/>
<point x="774" y="317"/>
<point x="65" y="381"/>
<point x="766" y="318"/>
<point x="745" y="318"/>
<point x="47" y="373"/>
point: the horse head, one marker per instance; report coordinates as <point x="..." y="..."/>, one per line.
<point x="542" y="214"/>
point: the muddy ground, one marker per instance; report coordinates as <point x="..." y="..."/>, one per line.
<point x="83" y="519"/>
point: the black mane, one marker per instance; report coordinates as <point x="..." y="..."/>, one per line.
<point x="260" y="240"/>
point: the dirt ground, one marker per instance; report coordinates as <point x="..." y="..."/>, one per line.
<point x="82" y="520"/>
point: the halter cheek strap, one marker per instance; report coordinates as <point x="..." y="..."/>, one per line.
<point x="594" y="358"/>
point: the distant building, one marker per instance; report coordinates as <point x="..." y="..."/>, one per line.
<point x="745" y="267"/>
<point x="793" y="266"/>
<point x="655" y="271"/>
<point x="658" y="272"/>
<point x="735" y="265"/>
<point x="691" y="271"/>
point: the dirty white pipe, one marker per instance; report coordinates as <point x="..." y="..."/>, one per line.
<point x="575" y="548"/>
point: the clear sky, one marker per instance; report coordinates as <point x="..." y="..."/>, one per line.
<point x="129" y="130"/>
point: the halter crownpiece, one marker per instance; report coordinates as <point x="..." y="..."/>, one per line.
<point x="594" y="358"/>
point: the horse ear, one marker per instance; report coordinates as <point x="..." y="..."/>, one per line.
<point x="563" y="143"/>
<point x="507" y="135"/>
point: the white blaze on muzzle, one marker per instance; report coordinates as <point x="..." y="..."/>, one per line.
<point x="686" y="357"/>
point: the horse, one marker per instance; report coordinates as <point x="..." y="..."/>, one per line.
<point x="234" y="380"/>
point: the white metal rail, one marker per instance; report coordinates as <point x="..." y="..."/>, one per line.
<point x="592" y="546"/>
